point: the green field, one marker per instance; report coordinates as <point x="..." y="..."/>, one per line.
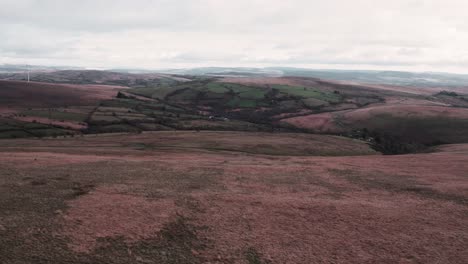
<point x="242" y="103"/>
<point x="14" y="134"/>
<point x="306" y="92"/>
<point x="10" y="124"/>
<point x="216" y="87"/>
<point x="56" y="115"/>
<point x="247" y="103"/>
<point x="253" y="93"/>
<point x="154" y="92"/>
<point x="18" y="129"/>
<point x="184" y="95"/>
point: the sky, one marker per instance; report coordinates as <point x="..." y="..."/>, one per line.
<point x="414" y="35"/>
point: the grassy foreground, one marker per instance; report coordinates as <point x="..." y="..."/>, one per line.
<point x="229" y="197"/>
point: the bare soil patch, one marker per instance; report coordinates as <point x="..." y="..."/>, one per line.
<point x="106" y="212"/>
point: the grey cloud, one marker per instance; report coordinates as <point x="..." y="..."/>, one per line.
<point x="168" y="33"/>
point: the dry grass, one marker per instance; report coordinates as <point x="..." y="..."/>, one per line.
<point x="103" y="199"/>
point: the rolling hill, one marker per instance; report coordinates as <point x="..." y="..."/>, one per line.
<point x="399" y="118"/>
<point x="397" y="78"/>
<point x="94" y="77"/>
<point x="203" y="169"/>
<point x="20" y="94"/>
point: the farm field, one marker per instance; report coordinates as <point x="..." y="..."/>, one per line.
<point x="397" y="119"/>
<point x="229" y="197"/>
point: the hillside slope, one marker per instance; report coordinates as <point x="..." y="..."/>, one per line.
<point x="18" y="94"/>
<point x="399" y="118"/>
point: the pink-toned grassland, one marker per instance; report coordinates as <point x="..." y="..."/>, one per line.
<point x="394" y="88"/>
<point x="301" y="112"/>
<point x="34" y="94"/>
<point x="323" y="122"/>
<point x="7" y="111"/>
<point x="420" y="111"/>
<point x="290" y="209"/>
<point x="108" y="212"/>
<point x="330" y="121"/>
<point x="95" y="91"/>
<point x="323" y="84"/>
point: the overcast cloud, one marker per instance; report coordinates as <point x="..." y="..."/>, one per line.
<point x="429" y="35"/>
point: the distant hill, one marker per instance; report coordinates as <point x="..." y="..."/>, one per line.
<point x="21" y="68"/>
<point x="94" y="77"/>
<point x="226" y="71"/>
<point x="143" y="77"/>
<point x="401" y="78"/>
